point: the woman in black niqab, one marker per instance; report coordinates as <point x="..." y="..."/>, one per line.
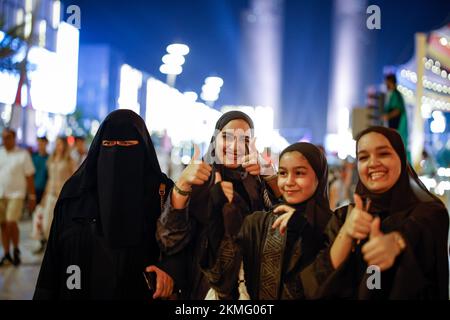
<point x="105" y="217"/>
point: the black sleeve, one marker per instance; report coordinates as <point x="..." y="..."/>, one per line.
<point x="47" y="286"/>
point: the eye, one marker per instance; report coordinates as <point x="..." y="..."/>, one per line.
<point x="109" y="143"/>
<point x="300" y="173"/>
<point x="362" y="158"/>
<point x="282" y="173"/>
<point x="127" y="143"/>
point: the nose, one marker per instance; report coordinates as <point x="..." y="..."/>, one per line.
<point x="373" y="162"/>
<point x="290" y="180"/>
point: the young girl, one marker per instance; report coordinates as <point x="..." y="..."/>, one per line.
<point x="278" y="252"/>
<point x="396" y="225"/>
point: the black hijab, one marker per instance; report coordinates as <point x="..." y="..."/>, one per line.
<point x="407" y="192"/>
<point x="318" y="206"/>
<point x="125" y="179"/>
<point x="201" y="193"/>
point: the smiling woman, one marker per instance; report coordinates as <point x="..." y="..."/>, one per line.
<point x="396" y="225"/>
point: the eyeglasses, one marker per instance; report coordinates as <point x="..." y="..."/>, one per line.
<point x="122" y="143"/>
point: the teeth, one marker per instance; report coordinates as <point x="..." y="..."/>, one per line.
<point x="377" y="175"/>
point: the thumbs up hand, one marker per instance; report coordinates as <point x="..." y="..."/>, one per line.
<point x="227" y="187"/>
<point x="196" y="173"/>
<point x="381" y="249"/>
<point x="250" y="161"/>
<point x="358" y="223"/>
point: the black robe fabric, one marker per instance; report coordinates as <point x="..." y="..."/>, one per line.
<point x="184" y="231"/>
<point x="421" y="270"/>
<point x="110" y="261"/>
<point x="275" y="266"/>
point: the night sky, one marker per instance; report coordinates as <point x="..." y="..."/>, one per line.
<point x="141" y="30"/>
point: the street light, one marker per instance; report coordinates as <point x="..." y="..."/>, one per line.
<point x="173" y="61"/>
<point x="211" y="90"/>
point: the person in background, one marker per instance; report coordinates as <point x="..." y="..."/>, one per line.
<point x="40" y="157"/>
<point x="60" y="167"/>
<point x="79" y="153"/>
<point x="16" y="172"/>
<point x="394" y="111"/>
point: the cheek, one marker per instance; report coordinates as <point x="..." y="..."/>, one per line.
<point x="362" y="171"/>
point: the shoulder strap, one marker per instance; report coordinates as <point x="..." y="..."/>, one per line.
<point x="162" y="193"/>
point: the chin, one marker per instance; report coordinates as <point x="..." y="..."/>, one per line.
<point x="378" y="187"/>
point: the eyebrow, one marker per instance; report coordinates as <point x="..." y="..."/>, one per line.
<point x="298" y="167"/>
<point x="377" y="148"/>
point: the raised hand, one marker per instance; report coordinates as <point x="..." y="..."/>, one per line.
<point x="227" y="187"/>
<point x="358" y="222"/>
<point x="196" y="173"/>
<point x="250" y="161"/>
<point x="285" y="213"/>
<point x="381" y="249"/>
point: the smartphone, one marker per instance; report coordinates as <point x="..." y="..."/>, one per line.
<point x="150" y="279"/>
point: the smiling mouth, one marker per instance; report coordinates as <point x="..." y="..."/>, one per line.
<point x="375" y="176"/>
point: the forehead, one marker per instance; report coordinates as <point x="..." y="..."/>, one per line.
<point x="372" y="141"/>
<point x="7" y="133"/>
<point x="236" y="124"/>
<point x="294" y="159"/>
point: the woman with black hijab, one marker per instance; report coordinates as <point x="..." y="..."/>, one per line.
<point x="232" y="156"/>
<point x="277" y="263"/>
<point x="396" y="225"/>
<point x="105" y="220"/>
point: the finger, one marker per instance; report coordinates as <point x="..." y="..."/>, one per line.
<point x="166" y="290"/>
<point x="254" y="172"/>
<point x="360" y="235"/>
<point x="204" y="171"/>
<point x="375" y="228"/>
<point x="252" y="146"/>
<point x="376" y="260"/>
<point x="373" y="256"/>
<point x="159" y="286"/>
<point x="249" y="160"/>
<point x="358" y="202"/>
<point x="218" y="178"/>
<point x="196" y="156"/>
<point x="366" y="216"/>
<point x="201" y="176"/>
<point x="251" y="167"/>
<point x="360" y="222"/>
<point x="151" y="269"/>
<point x="281" y="209"/>
<point x="368" y="203"/>
<point x="362" y="229"/>
<point x="198" y="181"/>
<point x="370" y="246"/>
<point x="277" y="222"/>
<point x="206" y="167"/>
<point x="283" y="225"/>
